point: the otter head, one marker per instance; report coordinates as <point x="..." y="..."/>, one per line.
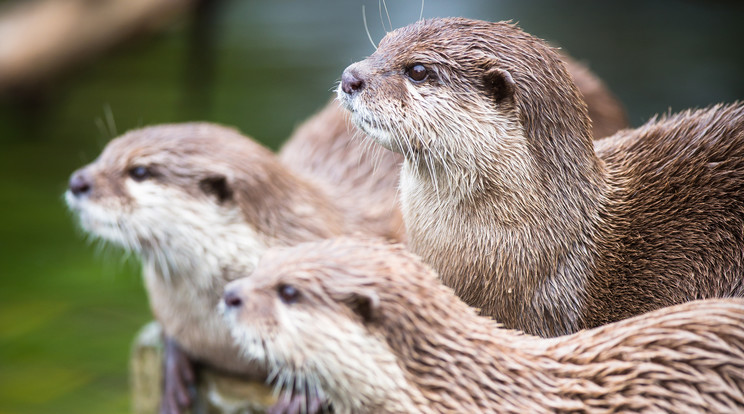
<point x="335" y="315"/>
<point x="189" y="198"/>
<point x="467" y="96"/>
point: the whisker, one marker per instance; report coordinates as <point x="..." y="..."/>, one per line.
<point x="366" y="28"/>
<point x="101" y="128"/>
<point x="382" y="21"/>
<point x="384" y="3"/>
<point x="110" y="119"/>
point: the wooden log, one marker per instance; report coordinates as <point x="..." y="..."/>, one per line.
<point x="40" y="38"/>
<point x="146" y="370"/>
<point x="217" y="393"/>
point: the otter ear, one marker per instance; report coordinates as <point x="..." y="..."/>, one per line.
<point x="217" y="186"/>
<point x="366" y="305"/>
<point x="499" y="84"/>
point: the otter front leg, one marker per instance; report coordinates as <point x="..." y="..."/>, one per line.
<point x="178" y="379"/>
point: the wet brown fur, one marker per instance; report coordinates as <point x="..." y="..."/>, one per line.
<point x="390" y="337"/>
<point x="505" y="194"/>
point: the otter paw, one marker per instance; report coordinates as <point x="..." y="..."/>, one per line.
<point x="178" y="379"/>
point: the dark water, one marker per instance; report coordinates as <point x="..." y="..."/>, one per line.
<point x="68" y="311"/>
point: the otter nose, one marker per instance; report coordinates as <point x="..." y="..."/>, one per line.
<point x="232" y="298"/>
<point x="80" y="183"/>
<point x="351" y="82"/>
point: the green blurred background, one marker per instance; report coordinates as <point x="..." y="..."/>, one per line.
<point x="69" y="309"/>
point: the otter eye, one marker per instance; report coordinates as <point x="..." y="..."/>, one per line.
<point x="288" y="294"/>
<point x="417" y="72"/>
<point x="139" y="173"/>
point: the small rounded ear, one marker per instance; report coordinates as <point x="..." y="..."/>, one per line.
<point x="217" y="186"/>
<point x="499" y="84"/>
<point x="366" y="305"/>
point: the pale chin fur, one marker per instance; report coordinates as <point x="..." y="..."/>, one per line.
<point x="99" y="222"/>
<point x="250" y="343"/>
<point x="259" y="347"/>
<point x="208" y="237"/>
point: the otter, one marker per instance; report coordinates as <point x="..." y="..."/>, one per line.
<point x="324" y="160"/>
<point x="506" y="195"/>
<point x="199" y="203"/>
<point x="370" y="326"/>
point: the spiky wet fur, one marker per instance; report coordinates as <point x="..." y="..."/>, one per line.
<point x="506" y="197"/>
<point x="414" y="347"/>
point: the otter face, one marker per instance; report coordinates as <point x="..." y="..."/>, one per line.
<point x="475" y="104"/>
<point x="161" y="193"/>
<point x="432" y="89"/>
<point x="315" y="324"/>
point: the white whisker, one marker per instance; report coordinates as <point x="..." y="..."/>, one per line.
<point x="366" y="28"/>
<point x="110" y="120"/>
<point x="384" y="3"/>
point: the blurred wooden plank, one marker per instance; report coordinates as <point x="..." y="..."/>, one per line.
<point x="41" y="38"/>
<point x="145" y="370"/>
<point x="216" y="393"/>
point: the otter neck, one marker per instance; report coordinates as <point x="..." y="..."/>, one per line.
<point x="377" y="385"/>
<point x="205" y="258"/>
<point x="450" y="336"/>
<point x="511" y="235"/>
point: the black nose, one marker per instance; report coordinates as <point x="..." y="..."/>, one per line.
<point x="350" y="82"/>
<point x="232" y="299"/>
<point x="80" y="183"/>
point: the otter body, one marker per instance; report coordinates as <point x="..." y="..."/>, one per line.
<point x="200" y="203"/>
<point x="505" y="194"/>
<point x="370" y="326"/>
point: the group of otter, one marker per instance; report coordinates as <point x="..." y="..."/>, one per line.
<point x="536" y="269"/>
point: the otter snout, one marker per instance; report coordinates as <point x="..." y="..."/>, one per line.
<point x="232" y="298"/>
<point x="351" y="81"/>
<point x="80" y="183"/>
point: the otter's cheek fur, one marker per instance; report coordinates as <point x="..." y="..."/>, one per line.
<point x="201" y="222"/>
<point x="300" y="356"/>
